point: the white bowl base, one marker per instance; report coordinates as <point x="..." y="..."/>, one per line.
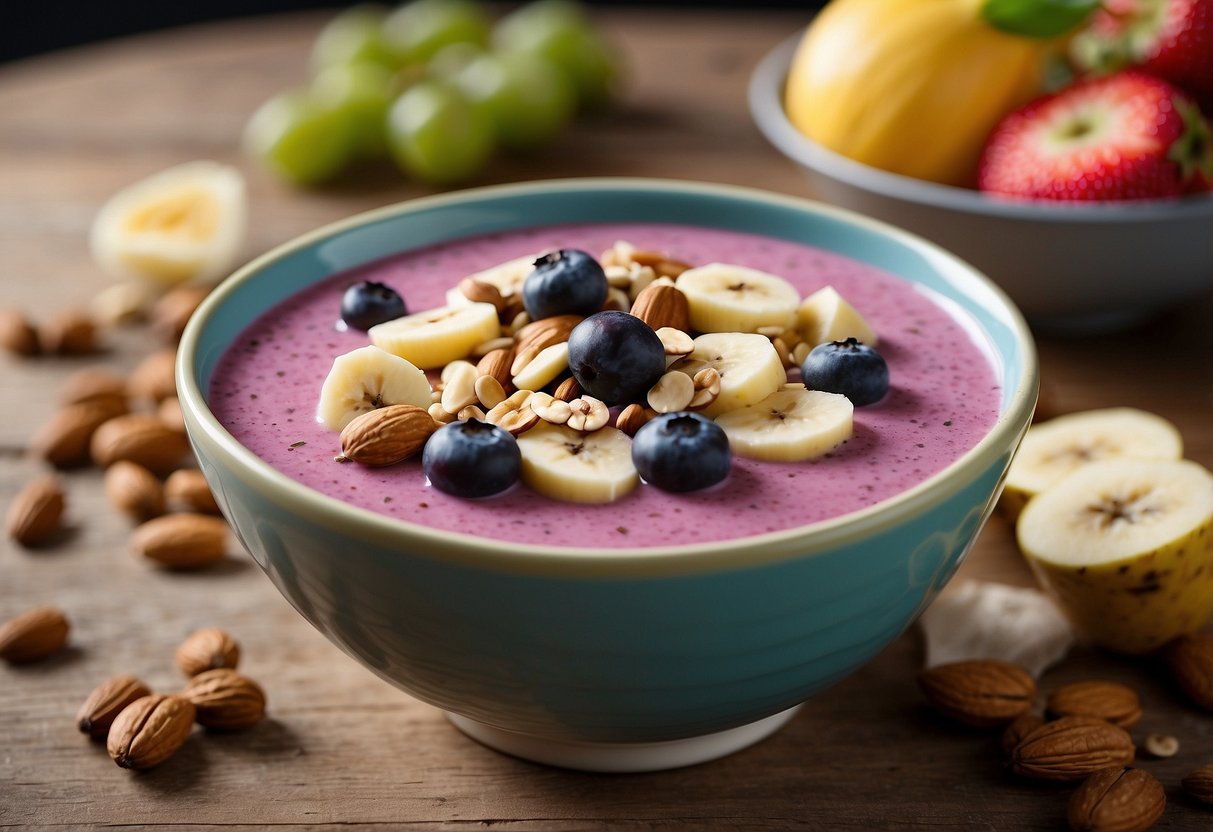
<point x="621" y="757"/>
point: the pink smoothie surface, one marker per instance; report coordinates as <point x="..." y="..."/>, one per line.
<point x="943" y="399"/>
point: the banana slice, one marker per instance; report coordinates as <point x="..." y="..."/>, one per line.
<point x="436" y="337"/>
<point x="826" y="316"/>
<point x="182" y="225"/>
<point x="725" y="298"/>
<point x="1052" y="449"/>
<point x="565" y="464"/>
<point x="543" y="368"/>
<point x="1126" y="545"/>
<point x="365" y="379"/>
<point x="748" y="364"/>
<point x="790" y="425"/>
<point x="507" y="277"/>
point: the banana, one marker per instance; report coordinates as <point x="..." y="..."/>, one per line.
<point x="1052" y="449"/>
<point x="507" y="277"/>
<point x="727" y="298"/>
<point x="826" y="316"/>
<point x="569" y="465"/>
<point x="749" y="366"/>
<point x="789" y="426"/>
<point x="436" y="337"/>
<point x="182" y="225"/>
<point x="367" y="378"/>
<point x="1126" y="545"/>
<point x="543" y="368"/>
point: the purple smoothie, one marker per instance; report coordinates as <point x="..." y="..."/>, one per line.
<point x="944" y="398"/>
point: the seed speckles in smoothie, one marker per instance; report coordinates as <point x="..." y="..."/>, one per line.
<point x="943" y="399"/>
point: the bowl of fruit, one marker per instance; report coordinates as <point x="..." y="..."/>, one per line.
<point x="616" y="472"/>
<point x="1059" y="147"/>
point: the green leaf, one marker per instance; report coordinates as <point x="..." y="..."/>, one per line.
<point x="1038" y="18"/>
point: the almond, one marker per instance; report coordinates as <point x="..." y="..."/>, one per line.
<point x="1072" y="748"/>
<point x="660" y="306"/>
<point x="92" y="384"/>
<point x="226" y="701"/>
<point x="1019" y="728"/>
<point x="478" y="291"/>
<point x="387" y="435"/>
<point x="141" y="438"/>
<point x="207" y="649"/>
<point x="538" y="335"/>
<point x="1117" y="800"/>
<point x="496" y="364"/>
<point x="106" y="701"/>
<point x="33" y="635"/>
<point x="173" y="310"/>
<point x="36" y="513"/>
<point x="1199" y="784"/>
<point x="982" y="693"/>
<point x="150" y="730"/>
<point x="64" y="441"/>
<point x="182" y="541"/>
<point x="186" y="488"/>
<point x="1190" y="660"/>
<point x="17" y="334"/>
<point x="632" y="418"/>
<point x="152" y="380"/>
<point x="659" y="262"/>
<point x="134" y="490"/>
<point x="568" y="390"/>
<point x="169" y="412"/>
<point x="1109" y="701"/>
<point x="69" y="333"/>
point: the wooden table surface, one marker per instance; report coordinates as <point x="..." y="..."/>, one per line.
<point x="342" y="747"/>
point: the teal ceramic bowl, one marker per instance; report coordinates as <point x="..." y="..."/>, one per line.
<point x="606" y="659"/>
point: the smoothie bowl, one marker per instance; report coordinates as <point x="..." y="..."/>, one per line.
<point x="651" y="628"/>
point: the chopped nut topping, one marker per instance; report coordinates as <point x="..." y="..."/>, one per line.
<point x="675" y="341"/>
<point x="672" y="392"/>
<point x="588" y="414"/>
<point x="489" y="391"/>
<point x="707" y="387"/>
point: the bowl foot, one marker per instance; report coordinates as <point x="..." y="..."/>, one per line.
<point x="623" y="756"/>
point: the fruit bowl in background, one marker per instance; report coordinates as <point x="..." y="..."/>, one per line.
<point x="607" y="659"/>
<point x="1070" y="267"/>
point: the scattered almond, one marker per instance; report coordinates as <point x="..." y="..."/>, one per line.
<point x="632" y="418"/>
<point x="439" y="415"/>
<point x="489" y="391"/>
<point x="588" y="414"/>
<point x="538" y="335"/>
<point x="663" y="306"/>
<point x="186" y="488"/>
<point x="567" y="390"/>
<point x="1190" y="660"/>
<point x="207" y="649"/>
<point x="1117" y="800"/>
<point x="1072" y="748"/>
<point x="387" y="435"/>
<point x="69" y="333"/>
<point x="1199" y="784"/>
<point x="514" y="414"/>
<point x="496" y="364"/>
<point x="153" y="379"/>
<point x="169" y="412"/>
<point x="479" y="291"/>
<point x="182" y="541"/>
<point x="107" y="700"/>
<point x="225" y="700"/>
<point x="981" y="693"/>
<point x="65" y="439"/>
<point x="36" y="514"/>
<point x="1019" y="728"/>
<point x="1110" y="701"/>
<point x="140" y="438"/>
<point x="17" y="335"/>
<point x="33" y="635"/>
<point x="93" y="384"/>
<point x="134" y="490"/>
<point x="150" y="730"/>
<point x="173" y="310"/>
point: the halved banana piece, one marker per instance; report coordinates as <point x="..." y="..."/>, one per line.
<point x="182" y="225"/>
<point x="565" y="464"/>
<point x="790" y="425"/>
<point x="365" y="379"/>
<point x="1052" y="449"/>
<point x="436" y="337"/>
<point x="728" y="298"/>
<point x="1126" y="545"/>
<point x="826" y="316"/>
<point x="749" y="366"/>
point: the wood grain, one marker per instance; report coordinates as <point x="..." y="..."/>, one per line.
<point x="342" y="747"/>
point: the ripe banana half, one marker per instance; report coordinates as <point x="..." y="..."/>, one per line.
<point x="826" y="316"/>
<point x="1126" y="546"/>
<point x="750" y="369"/>
<point x="436" y="337"/>
<point x="789" y="425"/>
<point x="1052" y="449"/>
<point x="565" y="464"/>
<point x="727" y="298"/>
<point x="182" y="225"/>
<point x="365" y="379"/>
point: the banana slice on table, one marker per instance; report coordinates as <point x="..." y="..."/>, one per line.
<point x="436" y="337"/>
<point x="365" y="379"/>
<point x="565" y="464"/>
<point x="1052" y="449"/>
<point x="507" y="277"/>
<point x="182" y="225"/>
<point x="790" y="425"/>
<point x="826" y="316"/>
<point x="750" y="369"/>
<point x="1126" y="545"/>
<point x="727" y="298"/>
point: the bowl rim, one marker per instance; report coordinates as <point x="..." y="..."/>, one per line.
<point x="484" y="552"/>
<point x="765" y="95"/>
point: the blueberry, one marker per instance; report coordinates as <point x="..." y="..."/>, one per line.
<point x="615" y="357"/>
<point x="681" y="452"/>
<point x="565" y="282"/>
<point x="368" y="303"/>
<point x="471" y="459"/>
<point x="849" y="367"/>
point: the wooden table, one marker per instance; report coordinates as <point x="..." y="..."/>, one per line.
<point x="343" y="747"/>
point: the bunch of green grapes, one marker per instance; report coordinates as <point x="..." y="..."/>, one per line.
<point x="437" y="86"/>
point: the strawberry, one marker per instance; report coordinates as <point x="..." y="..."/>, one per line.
<point x="1172" y="39"/>
<point x="1123" y="136"/>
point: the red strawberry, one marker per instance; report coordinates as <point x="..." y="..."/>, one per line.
<point x="1124" y="136"/>
<point x="1172" y="39"/>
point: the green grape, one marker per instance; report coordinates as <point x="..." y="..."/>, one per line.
<point x="559" y="31"/>
<point x="360" y="93"/>
<point x="450" y="60"/>
<point x="300" y="139"/>
<point x="527" y="99"/>
<point x="354" y="36"/>
<point x="417" y="30"/>
<point x="436" y="135"/>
